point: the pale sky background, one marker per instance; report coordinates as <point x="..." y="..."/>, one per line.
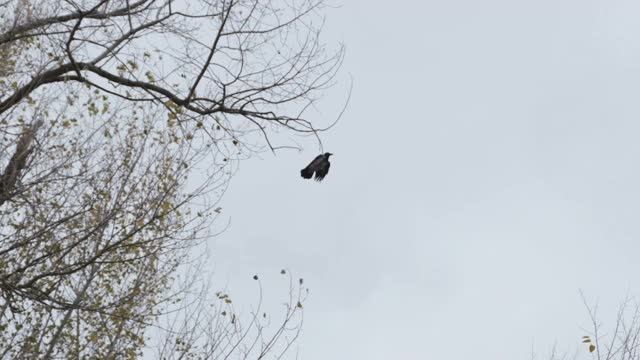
<point x="486" y="170"/>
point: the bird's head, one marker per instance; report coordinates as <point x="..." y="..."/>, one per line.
<point x="327" y="155"/>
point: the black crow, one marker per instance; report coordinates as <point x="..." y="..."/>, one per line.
<point x="320" y="165"/>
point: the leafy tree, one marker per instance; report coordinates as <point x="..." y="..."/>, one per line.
<point x="120" y="124"/>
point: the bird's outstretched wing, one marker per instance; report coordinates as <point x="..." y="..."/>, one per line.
<point x="307" y="172"/>
<point x="322" y="170"/>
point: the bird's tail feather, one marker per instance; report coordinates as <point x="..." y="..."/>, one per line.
<point x="306" y="173"/>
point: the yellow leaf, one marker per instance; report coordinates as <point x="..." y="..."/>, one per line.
<point x="592" y="348"/>
<point x="166" y="206"/>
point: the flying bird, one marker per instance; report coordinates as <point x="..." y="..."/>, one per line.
<point x="320" y="165"/>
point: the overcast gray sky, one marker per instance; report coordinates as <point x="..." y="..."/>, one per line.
<point x="487" y="169"/>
